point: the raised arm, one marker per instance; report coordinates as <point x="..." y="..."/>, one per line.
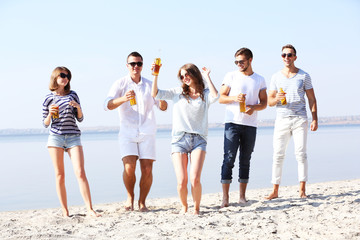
<point x="154" y="88"/>
<point x="206" y="75"/>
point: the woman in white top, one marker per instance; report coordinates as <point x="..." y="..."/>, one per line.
<point x="190" y="127"/>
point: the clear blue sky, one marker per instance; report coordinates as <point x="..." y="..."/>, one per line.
<point x="93" y="38"/>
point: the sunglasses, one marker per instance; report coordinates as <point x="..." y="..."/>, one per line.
<point x="241" y="62"/>
<point x="184" y="76"/>
<point x="63" y="75"/>
<point x="289" y="55"/>
<point x="139" y="64"/>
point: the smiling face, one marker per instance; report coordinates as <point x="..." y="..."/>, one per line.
<point x="242" y="62"/>
<point x="185" y="77"/>
<point x="136" y="69"/>
<point x="289" y="57"/>
<point x="62" y="80"/>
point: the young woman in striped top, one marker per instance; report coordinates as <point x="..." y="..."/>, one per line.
<point x="61" y="109"/>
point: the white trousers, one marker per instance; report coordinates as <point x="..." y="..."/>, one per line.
<point x="284" y="129"/>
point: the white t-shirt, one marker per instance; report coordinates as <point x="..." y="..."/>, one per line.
<point x="294" y="88"/>
<point x="138" y="119"/>
<point x="188" y="116"/>
<point x="249" y="85"/>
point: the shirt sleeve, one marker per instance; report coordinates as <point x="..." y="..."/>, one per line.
<point x="227" y="80"/>
<point x="114" y="92"/>
<point x="308" y="83"/>
<point x="45" y="108"/>
<point x="262" y="84"/>
<point x="75" y="111"/>
<point x="211" y="98"/>
<point x="167" y="94"/>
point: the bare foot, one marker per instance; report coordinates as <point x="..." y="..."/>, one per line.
<point x="196" y="212"/>
<point x="183" y="210"/>
<point x="92" y="213"/>
<point x="242" y="200"/>
<point x="129" y="208"/>
<point x="143" y="209"/>
<point x="65" y="213"/>
<point x="303" y="195"/>
<point x="272" y="196"/>
<point x="225" y="202"/>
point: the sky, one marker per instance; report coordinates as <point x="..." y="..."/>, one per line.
<point x="93" y="39"/>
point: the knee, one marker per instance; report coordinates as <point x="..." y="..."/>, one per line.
<point x="301" y="157"/>
<point x="195" y="181"/>
<point x="228" y="162"/>
<point x="80" y="174"/>
<point x="278" y="158"/>
<point x="182" y="183"/>
<point x="129" y="169"/>
<point x="146" y="170"/>
<point x="60" y="177"/>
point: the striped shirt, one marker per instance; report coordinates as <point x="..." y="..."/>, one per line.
<point x="66" y="123"/>
<point x="294" y="88"/>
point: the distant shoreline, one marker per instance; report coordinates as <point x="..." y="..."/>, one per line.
<point x="266" y="123"/>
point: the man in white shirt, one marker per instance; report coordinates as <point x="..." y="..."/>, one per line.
<point x="131" y="95"/>
<point x="291" y="117"/>
<point x="240" y="127"/>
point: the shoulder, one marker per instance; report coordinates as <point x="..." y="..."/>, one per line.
<point x="258" y="77"/>
<point x="303" y="73"/>
<point x="230" y="76"/>
<point x="146" y="81"/>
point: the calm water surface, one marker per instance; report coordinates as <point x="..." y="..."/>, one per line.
<point x="27" y="175"/>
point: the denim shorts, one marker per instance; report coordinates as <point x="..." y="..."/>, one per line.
<point x="188" y="143"/>
<point x="64" y="141"/>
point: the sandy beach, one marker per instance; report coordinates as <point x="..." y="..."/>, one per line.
<point x="332" y="211"/>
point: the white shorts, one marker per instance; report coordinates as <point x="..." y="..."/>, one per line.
<point x="142" y="146"/>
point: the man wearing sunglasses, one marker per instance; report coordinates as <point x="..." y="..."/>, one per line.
<point x="137" y="127"/>
<point x="240" y="127"/>
<point x="292" y="84"/>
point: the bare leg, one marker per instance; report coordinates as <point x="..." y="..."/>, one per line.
<point x="180" y="162"/>
<point x="57" y="157"/>
<point x="129" y="180"/>
<point x="242" y="198"/>
<point x="275" y="193"/>
<point x="197" y="162"/>
<point x="76" y="155"/>
<point x="302" y="190"/>
<point x="145" y="182"/>
<point x="225" y="201"/>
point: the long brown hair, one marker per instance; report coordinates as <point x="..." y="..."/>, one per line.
<point x="195" y="74"/>
<point x="53" y="79"/>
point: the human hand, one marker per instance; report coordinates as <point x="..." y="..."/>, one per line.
<point x="280" y="96"/>
<point x="163" y="105"/>
<point x="240" y="97"/>
<point x="205" y="72"/>
<point x="53" y="109"/>
<point x="314" y="125"/>
<point x="153" y="66"/>
<point x="74" y="104"/>
<point x="250" y="109"/>
<point x="129" y="95"/>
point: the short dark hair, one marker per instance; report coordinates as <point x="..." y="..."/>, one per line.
<point x="244" y="51"/>
<point x="289" y="46"/>
<point x="134" y="54"/>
